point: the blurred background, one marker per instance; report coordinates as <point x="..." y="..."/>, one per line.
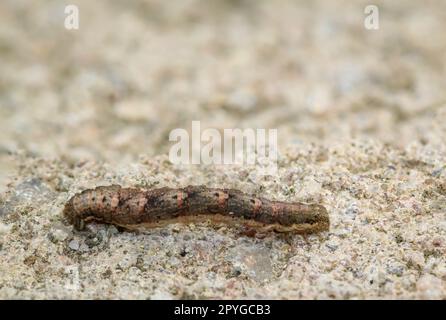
<point x="135" y="70"/>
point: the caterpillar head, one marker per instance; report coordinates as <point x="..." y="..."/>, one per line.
<point x="73" y="216"/>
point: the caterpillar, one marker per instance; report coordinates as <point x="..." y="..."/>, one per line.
<point x="131" y="207"/>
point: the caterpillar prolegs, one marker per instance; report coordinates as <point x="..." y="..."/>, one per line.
<point x="131" y="207"/>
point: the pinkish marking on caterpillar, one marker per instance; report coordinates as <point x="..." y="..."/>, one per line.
<point x="130" y="208"/>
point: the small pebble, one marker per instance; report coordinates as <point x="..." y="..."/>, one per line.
<point x="74" y="245"/>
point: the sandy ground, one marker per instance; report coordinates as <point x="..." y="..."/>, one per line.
<point x="361" y="119"/>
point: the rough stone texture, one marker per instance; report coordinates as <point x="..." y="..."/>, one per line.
<point x="361" y="117"/>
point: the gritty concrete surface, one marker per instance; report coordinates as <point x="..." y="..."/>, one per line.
<point x="361" y="119"/>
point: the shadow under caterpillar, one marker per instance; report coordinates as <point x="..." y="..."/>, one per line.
<point x="131" y="208"/>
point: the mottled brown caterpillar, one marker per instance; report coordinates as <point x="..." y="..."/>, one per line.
<point x="130" y="208"/>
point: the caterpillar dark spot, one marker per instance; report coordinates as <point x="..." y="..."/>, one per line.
<point x="130" y="207"/>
